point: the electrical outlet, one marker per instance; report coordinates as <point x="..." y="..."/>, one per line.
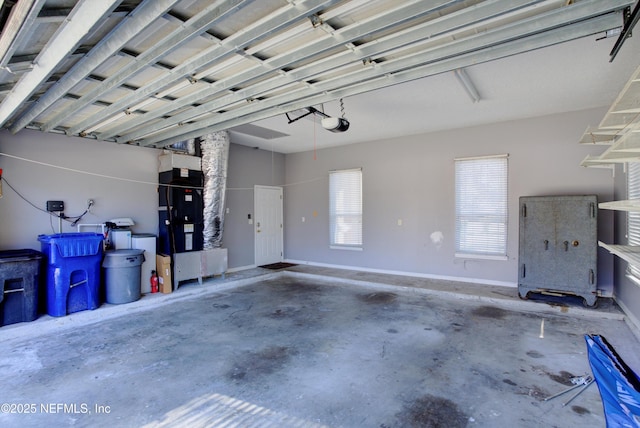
<point x="55" y="206"/>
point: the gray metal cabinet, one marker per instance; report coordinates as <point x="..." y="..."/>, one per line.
<point x="558" y="251"/>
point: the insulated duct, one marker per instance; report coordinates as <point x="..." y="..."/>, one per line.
<point x="215" y="153"/>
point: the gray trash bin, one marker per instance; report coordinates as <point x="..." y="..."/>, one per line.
<point x="122" y="270"/>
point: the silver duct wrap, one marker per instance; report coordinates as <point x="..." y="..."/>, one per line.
<point x="215" y="153"/>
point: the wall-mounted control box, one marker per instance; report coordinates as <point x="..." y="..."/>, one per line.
<point x="55" y="206"/>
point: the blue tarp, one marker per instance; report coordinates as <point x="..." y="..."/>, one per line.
<point x="619" y="386"/>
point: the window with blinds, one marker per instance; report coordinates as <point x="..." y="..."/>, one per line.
<point x="481" y="206"/>
<point x="633" y="218"/>
<point x="345" y="209"/>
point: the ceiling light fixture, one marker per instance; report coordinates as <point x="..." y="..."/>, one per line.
<point x="467" y="84"/>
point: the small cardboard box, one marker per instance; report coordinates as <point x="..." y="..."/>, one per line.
<point x="163" y="266"/>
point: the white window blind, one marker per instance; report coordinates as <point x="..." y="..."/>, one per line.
<point x="633" y="218"/>
<point x="481" y="206"/>
<point x="345" y="208"/>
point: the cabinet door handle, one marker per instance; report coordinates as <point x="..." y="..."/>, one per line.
<point x="566" y="245"/>
<point x="546" y="244"/>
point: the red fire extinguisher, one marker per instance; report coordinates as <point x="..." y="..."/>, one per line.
<point x="154" y="282"/>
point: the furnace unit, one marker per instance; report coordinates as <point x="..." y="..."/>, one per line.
<point x="180" y="211"/>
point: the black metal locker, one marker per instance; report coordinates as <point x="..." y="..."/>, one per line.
<point x="558" y="248"/>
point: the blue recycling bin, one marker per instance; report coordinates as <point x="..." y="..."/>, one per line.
<point x="19" y="284"/>
<point x="73" y="271"/>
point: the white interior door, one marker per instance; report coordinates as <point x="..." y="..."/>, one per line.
<point x="267" y="225"/>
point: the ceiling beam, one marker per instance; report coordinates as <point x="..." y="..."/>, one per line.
<point x="388" y="73"/>
<point x="430" y="30"/>
<point x="21" y="19"/>
<point x="85" y="15"/>
<point x="466" y="60"/>
<point x="405" y="12"/>
<point x="141" y="18"/>
<point x="192" y="28"/>
<point x="225" y="48"/>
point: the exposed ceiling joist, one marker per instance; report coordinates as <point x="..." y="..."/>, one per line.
<point x="220" y="51"/>
<point x="183" y="34"/>
<point x="146" y="14"/>
<point x="260" y="69"/>
<point x="280" y="106"/>
<point x="21" y="18"/>
<point x="176" y="69"/>
<point x="532" y="33"/>
<point x="81" y="20"/>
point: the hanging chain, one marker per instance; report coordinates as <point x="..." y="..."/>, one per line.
<point x="342" y="107"/>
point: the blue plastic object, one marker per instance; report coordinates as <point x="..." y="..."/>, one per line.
<point x="73" y="271"/>
<point x="19" y="284"/>
<point x="618" y="384"/>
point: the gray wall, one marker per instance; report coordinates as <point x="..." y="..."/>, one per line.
<point x="247" y="167"/>
<point x="412" y="179"/>
<point x="408" y="178"/>
<point x="20" y="223"/>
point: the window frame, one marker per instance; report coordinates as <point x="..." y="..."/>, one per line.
<point x="353" y="209"/>
<point x="468" y="210"/>
<point x="633" y="218"/>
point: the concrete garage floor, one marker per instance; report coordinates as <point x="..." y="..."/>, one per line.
<point x="311" y="347"/>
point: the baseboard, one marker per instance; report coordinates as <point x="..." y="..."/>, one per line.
<point x="630" y="319"/>
<point x="405" y="273"/>
<point x="241" y="268"/>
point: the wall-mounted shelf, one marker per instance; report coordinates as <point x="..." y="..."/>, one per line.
<point x="626" y="205"/>
<point x="597" y="136"/>
<point x="629" y="253"/>
<point x="619" y="129"/>
<point x="625" y="148"/>
<point x="596" y="162"/>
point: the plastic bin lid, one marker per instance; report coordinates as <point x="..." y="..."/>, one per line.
<point x="19" y="255"/>
<point x="123" y="258"/>
<point x="74" y="244"/>
<point x="70" y="236"/>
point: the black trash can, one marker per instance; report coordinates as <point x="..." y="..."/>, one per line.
<point x="122" y="270"/>
<point x="19" y="283"/>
